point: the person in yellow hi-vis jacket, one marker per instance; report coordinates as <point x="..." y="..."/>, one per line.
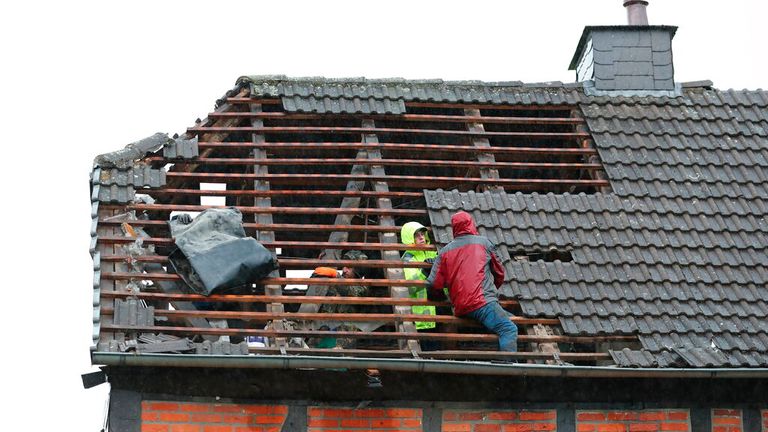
<point x="414" y="233"/>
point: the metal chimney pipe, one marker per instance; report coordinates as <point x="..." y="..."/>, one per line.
<point x="636" y="12"/>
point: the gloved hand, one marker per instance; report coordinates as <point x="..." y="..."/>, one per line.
<point x="183" y="219"/>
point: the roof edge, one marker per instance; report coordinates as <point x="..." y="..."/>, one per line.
<point x="413" y="365"/>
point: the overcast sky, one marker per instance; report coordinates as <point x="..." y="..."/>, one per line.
<point x="80" y="78"/>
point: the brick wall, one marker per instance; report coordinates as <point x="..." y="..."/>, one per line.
<point x="499" y="421"/>
<point x="633" y="421"/>
<point x="726" y="420"/>
<point x="210" y="417"/>
<point x="163" y="416"/>
<point x="323" y="419"/>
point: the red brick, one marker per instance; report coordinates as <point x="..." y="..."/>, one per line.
<point x="622" y="415"/>
<point x="611" y="427"/>
<point x="231" y="408"/>
<point x="537" y="415"/>
<point x="544" y="426"/>
<point x="217" y="428"/>
<point x="502" y="415"/>
<point x="385" y="423"/>
<point x="643" y="427"/>
<point x="357" y="423"/>
<point x="315" y="422"/>
<point x="450" y="415"/>
<point x="474" y="415"/>
<point x="590" y="416"/>
<point x="205" y="418"/>
<point x="145" y="427"/>
<point x="185" y="428"/>
<point x="519" y="427"/>
<point x="586" y="428"/>
<point x="256" y="409"/>
<point x="414" y="423"/>
<point x="263" y="420"/>
<point x="727" y="412"/>
<point x="652" y="416"/>
<point x="160" y="406"/>
<point x="488" y="428"/>
<point x="720" y="429"/>
<point x="403" y="413"/>
<point x="337" y="413"/>
<point x="457" y="427"/>
<point x="187" y="407"/>
<point x="238" y="419"/>
<point x="150" y="416"/>
<point x="726" y="420"/>
<point x="252" y="428"/>
<point x="174" y="417"/>
<point x="677" y="415"/>
<point x="674" y="426"/>
<point x="315" y="412"/>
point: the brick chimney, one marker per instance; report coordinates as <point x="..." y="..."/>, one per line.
<point x="634" y="59"/>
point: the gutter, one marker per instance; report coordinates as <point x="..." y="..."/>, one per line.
<point x="413" y="365"/>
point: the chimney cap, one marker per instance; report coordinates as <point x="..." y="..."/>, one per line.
<point x="629" y="28"/>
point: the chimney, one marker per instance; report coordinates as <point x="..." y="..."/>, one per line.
<point x="631" y="59"/>
<point x="636" y="12"/>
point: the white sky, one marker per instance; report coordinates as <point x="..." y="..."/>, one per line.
<point x="80" y="78"/>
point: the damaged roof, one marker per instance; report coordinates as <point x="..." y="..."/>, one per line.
<point x="675" y="253"/>
<point x="673" y="250"/>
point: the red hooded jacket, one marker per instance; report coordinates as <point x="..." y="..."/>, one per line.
<point x="468" y="266"/>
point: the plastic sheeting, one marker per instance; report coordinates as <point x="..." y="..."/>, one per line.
<point x="214" y="253"/>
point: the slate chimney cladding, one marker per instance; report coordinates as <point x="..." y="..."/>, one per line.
<point x="626" y="58"/>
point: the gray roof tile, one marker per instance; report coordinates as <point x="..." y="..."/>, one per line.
<point x="668" y="268"/>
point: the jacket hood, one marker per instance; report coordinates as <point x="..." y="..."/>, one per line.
<point x="409" y="230"/>
<point x="462" y="224"/>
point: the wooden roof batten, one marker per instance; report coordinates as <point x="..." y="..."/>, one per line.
<point x="464" y="159"/>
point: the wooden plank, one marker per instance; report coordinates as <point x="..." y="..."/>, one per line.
<point x="390" y="238"/>
<point x="352" y="317"/>
<point x="303" y="263"/>
<point x="296" y="299"/>
<point x="264" y="217"/>
<point x="379" y="131"/>
<point x="265" y="209"/>
<point x="253" y="227"/>
<point x="287" y="244"/>
<point x="394" y="180"/>
<point x="405" y="118"/>
<point x="284" y="193"/>
<point x="484" y="160"/>
<point x="398" y="147"/>
<point x="548" y="348"/>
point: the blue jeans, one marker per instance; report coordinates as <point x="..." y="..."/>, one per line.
<point x="496" y="319"/>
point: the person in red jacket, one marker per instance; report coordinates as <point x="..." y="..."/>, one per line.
<point x="469" y="267"/>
